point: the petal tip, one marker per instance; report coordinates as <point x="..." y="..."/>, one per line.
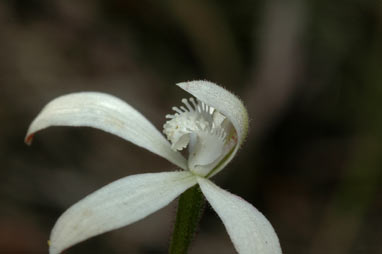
<point x="52" y="248"/>
<point x="185" y="85"/>
<point x="29" y="138"/>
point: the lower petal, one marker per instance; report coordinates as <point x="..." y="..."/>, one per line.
<point x="117" y="204"/>
<point x="248" y="229"/>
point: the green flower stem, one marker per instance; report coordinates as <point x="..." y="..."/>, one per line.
<point x="190" y="209"/>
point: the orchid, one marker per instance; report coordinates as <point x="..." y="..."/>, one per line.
<point x="213" y="126"/>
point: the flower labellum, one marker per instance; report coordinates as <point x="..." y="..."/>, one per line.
<point x="209" y="135"/>
<point x="212" y="126"/>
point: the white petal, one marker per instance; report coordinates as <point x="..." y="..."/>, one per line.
<point x="205" y="152"/>
<point x="222" y="100"/>
<point x="248" y="229"/>
<point x="116" y="205"/>
<point x="226" y="103"/>
<point x="108" y="113"/>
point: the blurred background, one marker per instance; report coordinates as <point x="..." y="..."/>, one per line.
<point x="310" y="73"/>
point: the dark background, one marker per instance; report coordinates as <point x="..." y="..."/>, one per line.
<point x="310" y="73"/>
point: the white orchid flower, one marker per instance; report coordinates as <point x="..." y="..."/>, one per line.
<point x="213" y="127"/>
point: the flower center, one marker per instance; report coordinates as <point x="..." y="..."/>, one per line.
<point x="208" y="134"/>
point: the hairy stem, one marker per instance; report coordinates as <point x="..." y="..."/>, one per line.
<point x="189" y="212"/>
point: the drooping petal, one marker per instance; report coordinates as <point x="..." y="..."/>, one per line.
<point x="226" y="103"/>
<point x="118" y="204"/>
<point x="248" y="229"/>
<point x="108" y="113"/>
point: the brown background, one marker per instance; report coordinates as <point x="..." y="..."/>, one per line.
<point x="308" y="71"/>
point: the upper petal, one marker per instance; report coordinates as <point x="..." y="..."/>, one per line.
<point x="222" y="100"/>
<point x="226" y="103"/>
<point x="116" y="205"/>
<point x="108" y="113"/>
<point x="248" y="229"/>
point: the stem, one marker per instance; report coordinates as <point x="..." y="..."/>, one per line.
<point x="189" y="212"/>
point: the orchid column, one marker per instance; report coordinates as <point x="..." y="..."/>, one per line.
<point x="212" y="127"/>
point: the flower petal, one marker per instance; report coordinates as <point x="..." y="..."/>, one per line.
<point x="116" y="205"/>
<point x="226" y="103"/>
<point x="248" y="229"/>
<point x="222" y="100"/>
<point x="108" y="113"/>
